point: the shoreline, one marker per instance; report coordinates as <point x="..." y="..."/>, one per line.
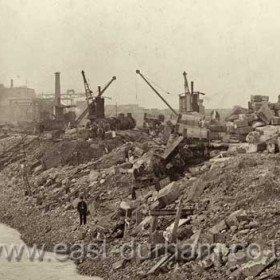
<point x="15" y="252"/>
<point x="9" y="219"/>
<point x="50" y="216"/>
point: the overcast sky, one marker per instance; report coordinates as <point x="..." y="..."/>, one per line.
<point x="231" y="49"/>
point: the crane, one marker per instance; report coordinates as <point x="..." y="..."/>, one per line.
<point x="88" y="91"/>
<point x="106" y="87"/>
<point x="89" y="97"/>
<point x="158" y="94"/>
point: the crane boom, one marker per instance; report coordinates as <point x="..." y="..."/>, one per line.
<point x="88" y="91"/>
<point x="105" y="88"/>
<point x="90" y="97"/>
<point x="158" y="94"/>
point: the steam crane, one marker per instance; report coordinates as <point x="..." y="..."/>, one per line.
<point x="99" y="101"/>
<point x="95" y="108"/>
<point x="189" y="100"/>
<point x="189" y="130"/>
<point x="189" y="124"/>
<point x="158" y="94"/>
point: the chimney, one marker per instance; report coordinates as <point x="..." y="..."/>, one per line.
<point x="57" y="89"/>
<point x="12" y="83"/>
<point x="191" y="87"/>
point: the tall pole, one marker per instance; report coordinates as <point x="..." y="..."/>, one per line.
<point x="138" y="72"/>
<point x="57" y="89"/>
<point x="186" y="84"/>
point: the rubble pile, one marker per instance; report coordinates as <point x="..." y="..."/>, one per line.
<point x="103" y="181"/>
<point x="230" y="212"/>
<point x="230" y="203"/>
<point x="13" y="148"/>
<point x="258" y="126"/>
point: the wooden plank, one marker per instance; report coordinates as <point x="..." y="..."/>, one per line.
<point x="181" y="222"/>
<point x="170" y="150"/>
<point x="168" y="212"/>
<point x="161" y="263"/>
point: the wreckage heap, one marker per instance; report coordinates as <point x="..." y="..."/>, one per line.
<point x="229" y="199"/>
<point x="258" y="125"/>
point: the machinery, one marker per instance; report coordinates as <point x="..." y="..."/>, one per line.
<point x="152" y="121"/>
<point x="190" y="123"/>
<point x="96" y="110"/>
<point x="192" y="139"/>
<point x="189" y="101"/>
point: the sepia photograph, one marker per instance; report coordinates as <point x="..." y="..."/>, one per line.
<point x="139" y="139"/>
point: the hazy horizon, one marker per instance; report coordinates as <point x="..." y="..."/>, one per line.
<point x="228" y="48"/>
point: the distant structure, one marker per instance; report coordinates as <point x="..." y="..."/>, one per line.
<point x="15" y="102"/>
<point x="21" y="105"/>
<point x="10" y="93"/>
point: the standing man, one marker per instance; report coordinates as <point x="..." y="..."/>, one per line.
<point x="82" y="209"/>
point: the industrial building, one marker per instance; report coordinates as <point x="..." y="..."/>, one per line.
<point x="15" y="102"/>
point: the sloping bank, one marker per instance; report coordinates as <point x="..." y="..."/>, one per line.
<point x="246" y="185"/>
<point x="50" y="217"/>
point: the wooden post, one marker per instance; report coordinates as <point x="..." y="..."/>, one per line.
<point x="177" y="219"/>
<point x="27" y="185"/>
<point x="126" y="225"/>
<point x="139" y="215"/>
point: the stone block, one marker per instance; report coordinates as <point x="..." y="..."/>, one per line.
<point x="259" y="98"/>
<point x="233" y="218"/>
<point x="255" y="267"/>
<point x="164" y="182"/>
<point x="254" y="148"/>
<point x="168" y="194"/>
<point x="118" y="265"/>
<point x="138" y="152"/>
<point x="265" y="114"/>
<point x="275" y="121"/>
<point x="219" y="227"/>
<point x="243" y="130"/>
<point x="93" y="176"/>
<point x="272" y="148"/>
<point x="240" y="123"/>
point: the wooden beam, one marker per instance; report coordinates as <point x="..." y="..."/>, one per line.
<point x="170" y="212"/>
<point x="163" y="261"/>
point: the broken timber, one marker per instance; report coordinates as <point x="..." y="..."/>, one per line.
<point x="171" y="212"/>
<point x="163" y="261"/>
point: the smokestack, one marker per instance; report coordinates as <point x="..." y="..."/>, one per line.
<point x="57" y="89"/>
<point x="191" y="87"/>
<point x="12" y="83"/>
